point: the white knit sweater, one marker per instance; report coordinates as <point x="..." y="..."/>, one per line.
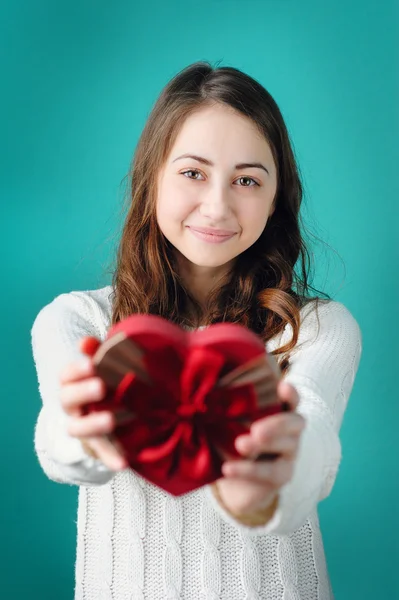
<point x="137" y="542"/>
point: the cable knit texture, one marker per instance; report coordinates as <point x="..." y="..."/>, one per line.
<point x="137" y="542"/>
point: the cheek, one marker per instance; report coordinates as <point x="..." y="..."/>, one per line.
<point x="174" y="206"/>
<point x="253" y="217"/>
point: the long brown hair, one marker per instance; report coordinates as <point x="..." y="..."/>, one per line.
<point x="263" y="291"/>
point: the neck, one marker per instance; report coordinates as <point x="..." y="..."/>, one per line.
<point x="200" y="281"/>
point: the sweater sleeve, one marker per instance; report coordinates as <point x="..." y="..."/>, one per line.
<point x="55" y="334"/>
<point x="323" y="369"/>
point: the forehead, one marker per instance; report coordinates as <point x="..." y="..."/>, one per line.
<point x="223" y="135"/>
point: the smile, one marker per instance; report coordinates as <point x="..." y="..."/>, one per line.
<point x="213" y="238"/>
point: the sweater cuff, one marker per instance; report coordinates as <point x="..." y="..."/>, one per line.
<point x="62" y="456"/>
<point x="51" y="434"/>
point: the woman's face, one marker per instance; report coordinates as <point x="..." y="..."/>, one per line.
<point x="210" y="182"/>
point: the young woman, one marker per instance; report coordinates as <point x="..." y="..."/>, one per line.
<point x="212" y="234"/>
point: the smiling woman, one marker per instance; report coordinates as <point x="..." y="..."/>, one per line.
<point x="212" y="235"/>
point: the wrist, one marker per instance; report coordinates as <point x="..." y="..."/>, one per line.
<point x="253" y="518"/>
<point x="88" y="450"/>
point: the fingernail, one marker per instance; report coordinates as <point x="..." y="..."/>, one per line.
<point x="122" y="464"/>
<point x="242" y="438"/>
<point x="242" y="444"/>
<point x="96" y="387"/>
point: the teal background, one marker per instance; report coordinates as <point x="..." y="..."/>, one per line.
<point x="78" y="81"/>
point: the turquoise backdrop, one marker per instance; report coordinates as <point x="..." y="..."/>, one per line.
<point x="78" y="81"/>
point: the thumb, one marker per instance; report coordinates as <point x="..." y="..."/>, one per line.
<point x="288" y="393"/>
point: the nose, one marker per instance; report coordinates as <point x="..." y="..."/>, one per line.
<point x="216" y="204"/>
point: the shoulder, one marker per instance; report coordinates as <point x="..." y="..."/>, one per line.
<point x="327" y="324"/>
<point x="316" y="318"/>
<point x="330" y="314"/>
<point x="91" y="308"/>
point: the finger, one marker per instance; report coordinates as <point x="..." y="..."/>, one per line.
<point x="276" y="474"/>
<point x="94" y="424"/>
<point x="288" y="393"/>
<point x="267" y="428"/>
<point x="109" y="451"/>
<point x="72" y="395"/>
<point x="286" y="446"/>
<point x="76" y="370"/>
<point x="83" y="367"/>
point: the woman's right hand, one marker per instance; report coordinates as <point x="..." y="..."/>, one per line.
<point x="79" y="386"/>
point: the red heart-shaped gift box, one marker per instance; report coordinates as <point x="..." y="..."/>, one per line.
<point x="192" y="393"/>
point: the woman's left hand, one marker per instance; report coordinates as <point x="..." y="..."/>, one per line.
<point x="249" y="486"/>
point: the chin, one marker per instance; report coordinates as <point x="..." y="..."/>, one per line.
<point x="211" y="260"/>
<point x="210" y="263"/>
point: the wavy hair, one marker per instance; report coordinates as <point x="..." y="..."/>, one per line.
<point x="262" y="291"/>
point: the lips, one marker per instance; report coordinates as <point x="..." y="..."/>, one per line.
<point x="212" y="236"/>
<point x="211" y="231"/>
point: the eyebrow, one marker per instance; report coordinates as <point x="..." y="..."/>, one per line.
<point x="205" y="161"/>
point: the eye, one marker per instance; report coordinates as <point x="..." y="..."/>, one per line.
<point x="196" y="172"/>
<point x="248" y="179"/>
<point x="191" y="171"/>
